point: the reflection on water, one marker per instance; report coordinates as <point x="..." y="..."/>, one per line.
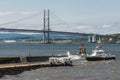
<point x="21" y="49"/>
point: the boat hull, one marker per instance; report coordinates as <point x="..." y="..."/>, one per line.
<point x="95" y="58"/>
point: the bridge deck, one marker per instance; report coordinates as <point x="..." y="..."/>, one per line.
<point x="41" y="31"/>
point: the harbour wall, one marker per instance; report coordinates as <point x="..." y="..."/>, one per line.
<point x="5" y="60"/>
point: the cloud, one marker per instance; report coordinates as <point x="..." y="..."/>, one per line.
<point x="97" y="29"/>
<point x="28" y="12"/>
<point x="8" y="13"/>
<point x="35" y="23"/>
<point x="19" y="17"/>
<point x="80" y="28"/>
<point x="4" y="13"/>
<point x="106" y="26"/>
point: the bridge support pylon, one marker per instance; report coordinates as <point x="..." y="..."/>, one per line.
<point x="92" y="39"/>
<point x="46" y="27"/>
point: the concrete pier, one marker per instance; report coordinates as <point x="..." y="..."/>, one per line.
<point x="7" y="60"/>
<point x="16" y="65"/>
<point x="30" y="64"/>
<point x="23" y="64"/>
<point x="16" y="68"/>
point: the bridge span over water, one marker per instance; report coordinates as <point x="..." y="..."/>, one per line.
<point x="91" y="37"/>
<point x="42" y="31"/>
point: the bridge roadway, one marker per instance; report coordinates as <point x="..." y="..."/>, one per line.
<point x="41" y="31"/>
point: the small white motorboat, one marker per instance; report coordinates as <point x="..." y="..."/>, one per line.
<point x="73" y="57"/>
<point x="76" y="56"/>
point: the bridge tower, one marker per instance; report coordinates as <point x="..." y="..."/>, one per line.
<point x="46" y="27"/>
<point x="92" y="38"/>
<point x="99" y="39"/>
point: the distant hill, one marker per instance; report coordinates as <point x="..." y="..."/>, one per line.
<point x="12" y="36"/>
<point x="116" y="38"/>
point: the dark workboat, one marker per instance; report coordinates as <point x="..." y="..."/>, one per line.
<point x="98" y="55"/>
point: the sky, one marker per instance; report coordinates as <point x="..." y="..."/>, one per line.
<point x="84" y="16"/>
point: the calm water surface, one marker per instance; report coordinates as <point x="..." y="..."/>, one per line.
<point x="83" y="70"/>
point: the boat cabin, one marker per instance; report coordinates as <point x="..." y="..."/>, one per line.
<point x="97" y="52"/>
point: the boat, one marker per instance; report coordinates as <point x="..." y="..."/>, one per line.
<point x="76" y="56"/>
<point x="73" y="57"/>
<point x="60" y="61"/>
<point x="98" y="55"/>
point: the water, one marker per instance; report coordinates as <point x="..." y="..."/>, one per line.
<point x="83" y="70"/>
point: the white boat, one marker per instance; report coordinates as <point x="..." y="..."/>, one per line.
<point x="76" y="56"/>
<point x="98" y="54"/>
<point x="73" y="57"/>
<point x="60" y="61"/>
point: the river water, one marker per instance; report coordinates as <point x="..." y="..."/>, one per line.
<point x="82" y="69"/>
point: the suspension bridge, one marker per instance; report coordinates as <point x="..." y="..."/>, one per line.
<point x="46" y="29"/>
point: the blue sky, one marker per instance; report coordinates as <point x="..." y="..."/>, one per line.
<point x="89" y="16"/>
